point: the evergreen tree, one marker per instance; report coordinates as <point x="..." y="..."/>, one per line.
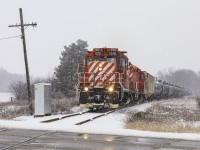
<point x="65" y="73"/>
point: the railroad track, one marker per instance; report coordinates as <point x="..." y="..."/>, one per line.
<point x="90" y="119"/>
<point x="63" y="117"/>
<point x="106" y="113"/>
<point x="102" y="115"/>
<point x="27" y="141"/>
<point x="96" y="117"/>
<point x="51" y="132"/>
<point x="3" y="130"/>
<point x="78" y="114"/>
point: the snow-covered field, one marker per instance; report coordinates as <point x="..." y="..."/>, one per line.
<point x="5" y="97"/>
<point x="112" y="124"/>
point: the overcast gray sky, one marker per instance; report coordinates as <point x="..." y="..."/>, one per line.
<point x="156" y="34"/>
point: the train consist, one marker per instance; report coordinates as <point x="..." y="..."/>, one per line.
<point x="109" y="79"/>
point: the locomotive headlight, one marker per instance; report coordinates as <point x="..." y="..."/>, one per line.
<point x="100" y="67"/>
<point x="86" y="89"/>
<point x="110" y="89"/>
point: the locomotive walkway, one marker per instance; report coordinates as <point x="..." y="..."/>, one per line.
<point x="43" y="140"/>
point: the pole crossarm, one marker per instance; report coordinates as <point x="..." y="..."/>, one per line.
<point x="19" y="25"/>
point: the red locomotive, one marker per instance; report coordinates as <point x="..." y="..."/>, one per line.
<point x="110" y="80"/>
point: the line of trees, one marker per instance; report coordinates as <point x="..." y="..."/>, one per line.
<point x="183" y="77"/>
<point x="6" y="78"/>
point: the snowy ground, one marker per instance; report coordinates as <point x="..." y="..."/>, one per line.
<point x="5" y="97"/>
<point x="112" y="124"/>
<point x="173" y="115"/>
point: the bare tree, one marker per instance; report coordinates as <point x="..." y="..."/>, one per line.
<point x="19" y="88"/>
<point x="165" y="73"/>
<point x="6" y="78"/>
<point x="183" y="77"/>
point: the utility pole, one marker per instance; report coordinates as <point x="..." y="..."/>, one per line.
<point x="21" y="26"/>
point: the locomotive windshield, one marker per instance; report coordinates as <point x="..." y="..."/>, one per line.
<point x="121" y="62"/>
<point x="104" y="55"/>
<point x="111" y="59"/>
<point x="88" y="60"/>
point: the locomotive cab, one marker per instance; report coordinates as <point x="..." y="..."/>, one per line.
<point x="100" y="84"/>
<point x="96" y="86"/>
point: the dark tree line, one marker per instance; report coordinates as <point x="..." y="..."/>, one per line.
<point x="183" y="77"/>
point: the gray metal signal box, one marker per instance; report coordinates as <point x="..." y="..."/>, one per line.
<point x="42" y="99"/>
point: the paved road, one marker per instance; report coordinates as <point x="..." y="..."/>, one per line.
<point x="13" y="139"/>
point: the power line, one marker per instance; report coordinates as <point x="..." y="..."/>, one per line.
<point x="6" y="38"/>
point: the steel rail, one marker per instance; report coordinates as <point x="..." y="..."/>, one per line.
<point x="66" y="116"/>
<point x="81" y="113"/>
<point x="106" y="113"/>
<point x="2" y="130"/>
<point x="93" y="118"/>
<point x="27" y="141"/>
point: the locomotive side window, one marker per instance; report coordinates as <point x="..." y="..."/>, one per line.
<point x="88" y="60"/>
<point x="121" y="62"/>
<point x="142" y="77"/>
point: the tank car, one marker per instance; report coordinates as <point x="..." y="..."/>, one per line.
<point x="158" y="89"/>
<point x="167" y="90"/>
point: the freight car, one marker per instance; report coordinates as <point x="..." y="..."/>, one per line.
<point x="109" y="80"/>
<point x="166" y="90"/>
